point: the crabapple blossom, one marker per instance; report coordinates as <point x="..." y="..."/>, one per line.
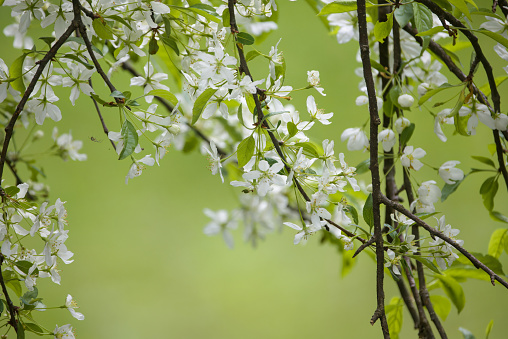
<point x="356" y="139"/>
<point x="449" y="173"/>
<point x="410" y="157"/>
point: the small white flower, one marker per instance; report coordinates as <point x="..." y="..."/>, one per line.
<point x="387" y="137"/>
<point x="215" y="159"/>
<point x="449" y="173"/>
<point x="71" y="304"/>
<point x="64" y="332"/>
<point x="410" y="157"/>
<point x="401" y="123"/>
<point x="356" y="139"/>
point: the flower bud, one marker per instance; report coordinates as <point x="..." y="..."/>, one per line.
<point x="174" y="129"/>
<point x="369" y="188"/>
<point x="406" y="100"/>
<point x="38" y="135"/>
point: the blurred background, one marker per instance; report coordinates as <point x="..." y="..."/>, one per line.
<point x="143" y="267"/>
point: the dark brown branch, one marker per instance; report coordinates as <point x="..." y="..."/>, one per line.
<point x="500" y="156"/>
<point x="443" y="15"/>
<point x="477" y="263"/>
<point x="439" y="51"/>
<point x="9" y="129"/>
<point x="103" y="123"/>
<point x="408" y="300"/>
<point x="128" y="67"/>
<point x="10" y="306"/>
<point x="374" y="167"/>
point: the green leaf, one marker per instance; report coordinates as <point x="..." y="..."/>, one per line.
<point x="363" y="167"/>
<point x="341" y="7"/>
<point x="427" y="263"/>
<point x="383" y="28"/>
<point x="499" y="80"/>
<point x="442" y="305"/>
<point x="292" y="129"/>
<point x="130" y="139"/>
<point x="208" y="13"/>
<point x="404" y="14"/>
<point x="453" y="290"/>
<point x="491" y="262"/>
<point x="153" y="46"/>
<point x="245" y="38"/>
<point x="368" y="213"/>
<point x="488" y="191"/>
<point x="21" y="331"/>
<point x="431" y="31"/>
<point x="24" y="266"/>
<point x="167" y="26"/>
<point x="102" y="30"/>
<point x="252" y="55"/>
<point x="466" y="333"/>
<point x="245" y="151"/>
<point x="29" y="296"/>
<point x="488" y="329"/>
<point x="226" y="19"/>
<point x="171" y="43"/>
<point x="117" y="94"/>
<point x="376" y="65"/>
<point x="200" y="103"/>
<point x="11" y="191"/>
<point x="497" y="216"/>
<point x="484" y="160"/>
<point x="461" y="6"/>
<point x="423" y="21"/>
<point x="406" y="134"/>
<point x="120" y="19"/>
<point x="394" y="316"/>
<point x="308" y="148"/>
<point x="48" y="40"/>
<point x="31" y="327"/>
<point x="78" y="59"/>
<point x="497" y="37"/>
<point x="449" y="189"/>
<point x="164" y="94"/>
<point x="498" y="241"/>
<point x="433" y="92"/>
<point x="394" y="94"/>
<point x="353" y="212"/>
<point x="16" y="71"/>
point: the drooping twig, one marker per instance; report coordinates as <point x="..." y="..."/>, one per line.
<point x="477" y="263"/>
<point x="424" y="293"/>
<point x="10" y="306"/>
<point x="374" y="167"/>
<point x="128" y="67"/>
<point x="439" y="51"/>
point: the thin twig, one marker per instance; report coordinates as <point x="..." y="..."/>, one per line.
<point x="477" y="263"/>
<point x="10" y="306"/>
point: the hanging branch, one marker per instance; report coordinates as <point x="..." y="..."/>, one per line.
<point x="439" y="51"/>
<point x="477" y="263"/>
<point x="374" y="167"/>
<point x="424" y="293"/>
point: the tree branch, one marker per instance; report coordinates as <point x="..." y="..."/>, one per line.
<point x="477" y="263"/>
<point x="10" y="306"/>
<point x="374" y="167"/>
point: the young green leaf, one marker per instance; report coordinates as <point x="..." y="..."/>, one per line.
<point x="171" y="43"/>
<point x="449" y="189"/>
<point x="102" y="30"/>
<point x="16" y="72"/>
<point x="383" y="28"/>
<point x="130" y="139"/>
<point x="164" y="94"/>
<point x="153" y="46"/>
<point x="406" y="134"/>
<point x="488" y="329"/>
<point x="368" y="213"/>
<point x="484" y="160"/>
<point x="341" y="7"/>
<point x="245" y="38"/>
<point x="442" y="305"/>
<point x="245" y="151"/>
<point x="394" y="313"/>
<point x="292" y="129"/>
<point x="453" y="290"/>
<point x="308" y="148"/>
<point x="498" y="242"/>
<point x="200" y="103"/>
<point x="404" y="14"/>
<point x="423" y="21"/>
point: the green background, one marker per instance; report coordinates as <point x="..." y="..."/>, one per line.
<point x="143" y="267"/>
